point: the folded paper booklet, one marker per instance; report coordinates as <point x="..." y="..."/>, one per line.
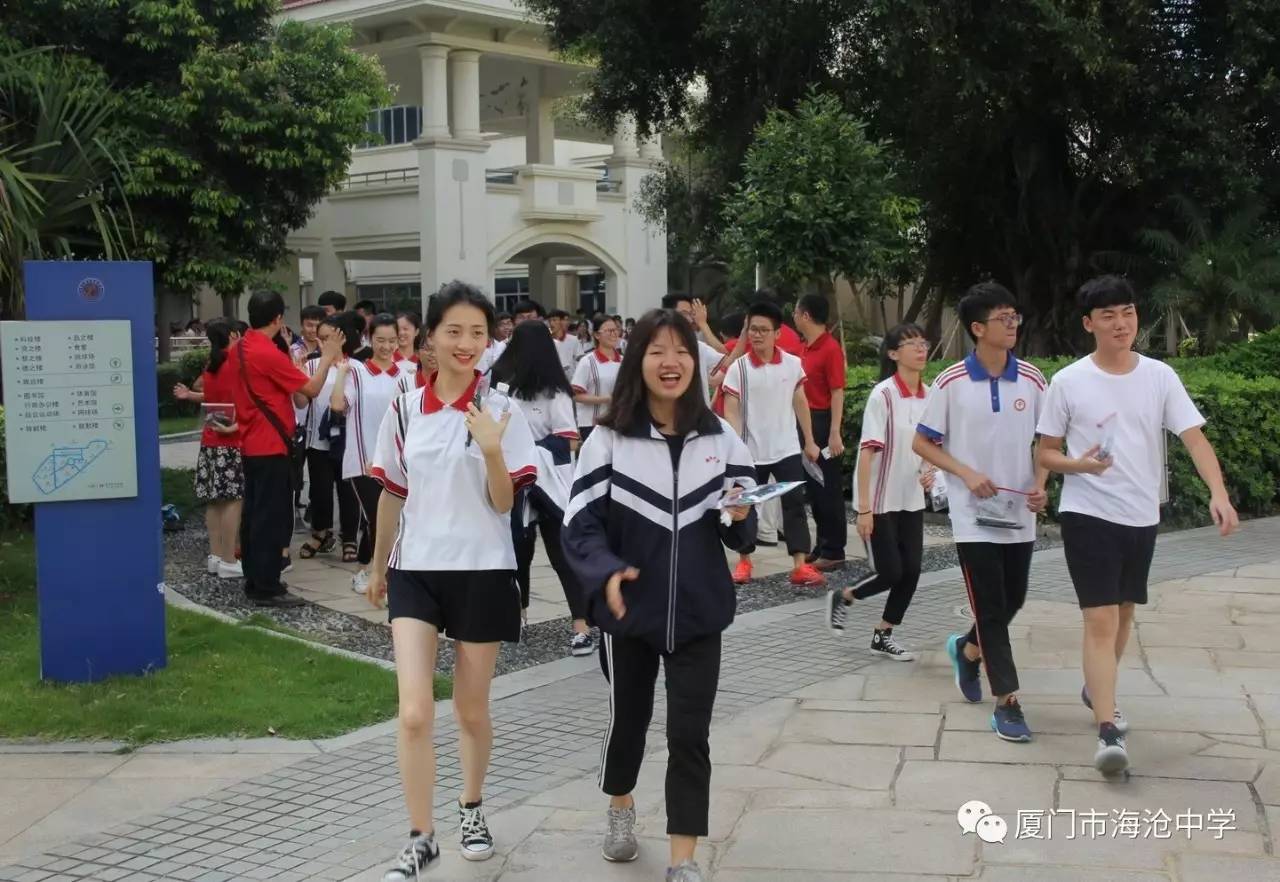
<point x="216" y="414"/>
<point x="760" y="494"/>
<point x="1001" y="511"/>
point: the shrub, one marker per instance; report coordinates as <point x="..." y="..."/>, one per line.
<point x="1242" y="416"/>
<point x="186" y="369"/>
<point x="1259" y="357"/>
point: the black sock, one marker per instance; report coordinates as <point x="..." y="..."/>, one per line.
<point x="472" y="805"/>
<point x="413" y="833"/>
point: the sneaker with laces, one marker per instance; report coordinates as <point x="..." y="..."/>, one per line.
<point x="211" y="564"/>
<point x="968" y="673"/>
<point x="360" y="582"/>
<point x="837" y="611"/>
<point x="882" y="642"/>
<point x="688" y="871"/>
<point x="1009" y="723"/>
<point x="805" y="574"/>
<point x="230" y="570"/>
<point x="418" y="855"/>
<point x="1117" y="718"/>
<point x="581" y="644"/>
<point x="742" y="572"/>
<point x="1112" y="757"/>
<point x="620" y="844"/>
<point x="477" y="841"/>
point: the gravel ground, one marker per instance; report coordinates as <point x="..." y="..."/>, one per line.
<point x="185" y="552"/>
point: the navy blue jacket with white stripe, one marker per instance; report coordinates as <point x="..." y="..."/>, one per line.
<point x="629" y="507"/>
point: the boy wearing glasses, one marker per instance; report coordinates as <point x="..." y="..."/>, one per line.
<point x="1112" y="409"/>
<point x="979" y="425"/>
<point x="764" y="400"/>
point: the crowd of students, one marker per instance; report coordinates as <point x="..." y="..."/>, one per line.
<point x="449" y="448"/>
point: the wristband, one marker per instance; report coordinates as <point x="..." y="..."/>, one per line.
<point x="864" y="512"/>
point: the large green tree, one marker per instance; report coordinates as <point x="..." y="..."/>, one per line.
<point x="1036" y="134"/>
<point x="236" y="125"/>
<point x="817" y="199"/>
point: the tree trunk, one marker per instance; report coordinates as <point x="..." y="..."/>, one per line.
<point x="933" y="318"/>
<point x="1171" y="332"/>
<point x="920" y="296"/>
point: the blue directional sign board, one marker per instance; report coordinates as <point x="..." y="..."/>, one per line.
<point x="82" y="444"/>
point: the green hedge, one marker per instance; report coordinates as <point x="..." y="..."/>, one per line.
<point x="1243" y="424"/>
<point x="186" y="369"/>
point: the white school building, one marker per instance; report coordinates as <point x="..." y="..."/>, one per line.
<point x="471" y="176"/>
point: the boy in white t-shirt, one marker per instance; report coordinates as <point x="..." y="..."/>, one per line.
<point x="979" y="425"/>
<point x="1112" y="408"/>
<point x="764" y="401"/>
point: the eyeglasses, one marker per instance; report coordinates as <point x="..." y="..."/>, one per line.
<point x="915" y="343"/>
<point x="759" y="332"/>
<point x="1009" y="319"/>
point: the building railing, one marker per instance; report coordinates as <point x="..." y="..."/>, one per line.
<point x="506" y="176"/>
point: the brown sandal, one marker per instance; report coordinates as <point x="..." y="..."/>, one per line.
<point x="319" y="543"/>
<point x="350" y="554"/>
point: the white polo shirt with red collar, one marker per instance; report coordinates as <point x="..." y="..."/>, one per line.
<point x="424" y="457"/>
<point x="595" y="375"/>
<point x="888" y="427"/>
<point x="988" y="423"/>
<point x="766" y="395"/>
<point x="369" y="390"/>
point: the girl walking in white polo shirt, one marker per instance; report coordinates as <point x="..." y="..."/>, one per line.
<point x="595" y="375"/>
<point x="450" y="457"/>
<point x="888" y="492"/>
<point x="363" y="391"/>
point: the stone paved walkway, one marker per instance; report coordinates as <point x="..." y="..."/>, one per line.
<point x="830" y="765"/>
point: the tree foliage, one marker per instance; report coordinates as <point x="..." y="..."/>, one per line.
<point x="1035" y="134"/>
<point x="816" y="198"/>
<point x="60" y="172"/>
<point x="236" y="126"/>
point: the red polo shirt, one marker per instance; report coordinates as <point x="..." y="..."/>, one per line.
<point x="823" y="361"/>
<point x="274" y="378"/>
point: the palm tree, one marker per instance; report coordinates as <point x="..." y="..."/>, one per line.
<point x="60" y="175"/>
<point x="1221" y="279"/>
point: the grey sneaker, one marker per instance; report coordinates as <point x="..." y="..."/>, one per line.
<point x="688" y="871"/>
<point x="620" y="844"/>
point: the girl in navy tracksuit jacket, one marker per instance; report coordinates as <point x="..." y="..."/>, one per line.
<point x="643" y="532"/>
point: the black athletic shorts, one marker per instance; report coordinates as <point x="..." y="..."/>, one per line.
<point x="471" y="606"/>
<point x="1109" y="563"/>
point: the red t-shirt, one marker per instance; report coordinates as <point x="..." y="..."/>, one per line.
<point x="823" y="370"/>
<point x="789" y="341"/>
<point x="274" y="378"/>
<point x="219" y="388"/>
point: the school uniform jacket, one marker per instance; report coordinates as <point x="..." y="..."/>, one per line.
<point x="630" y="508"/>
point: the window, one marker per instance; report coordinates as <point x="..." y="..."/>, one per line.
<point x="392" y="298"/>
<point x="591" y="293"/>
<point x="396" y="125"/>
<point x="508" y="291"/>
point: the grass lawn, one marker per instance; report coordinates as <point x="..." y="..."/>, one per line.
<point x="222" y="680"/>
<point x="176" y="424"/>
<point x="178" y="487"/>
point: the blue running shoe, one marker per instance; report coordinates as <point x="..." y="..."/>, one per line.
<point x="968" y="673"/>
<point x="1009" y="723"/>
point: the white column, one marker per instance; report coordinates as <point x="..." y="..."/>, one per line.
<point x="464" y="94"/>
<point x="435" y="90"/>
<point x="540" y="127"/>
<point x="542" y="281"/>
<point x="328" y="272"/>
<point x="624" y="138"/>
<point x="651" y="147"/>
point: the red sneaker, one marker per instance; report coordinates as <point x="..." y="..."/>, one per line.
<point x="742" y="572"/>
<point x="805" y="574"/>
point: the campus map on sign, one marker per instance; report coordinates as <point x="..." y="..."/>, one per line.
<point x="69" y="422"/>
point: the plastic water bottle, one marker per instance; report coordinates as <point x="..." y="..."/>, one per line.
<point x="938" y="492"/>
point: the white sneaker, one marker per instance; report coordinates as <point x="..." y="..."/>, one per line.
<point x="360" y="582"/>
<point x="211" y="564"/>
<point x="231" y="570"/>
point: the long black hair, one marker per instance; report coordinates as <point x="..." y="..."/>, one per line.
<point x="628" y="412"/>
<point x="894" y="338"/>
<point x="530" y="365"/>
<point x="351" y="324"/>
<point x="219" y="331"/>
